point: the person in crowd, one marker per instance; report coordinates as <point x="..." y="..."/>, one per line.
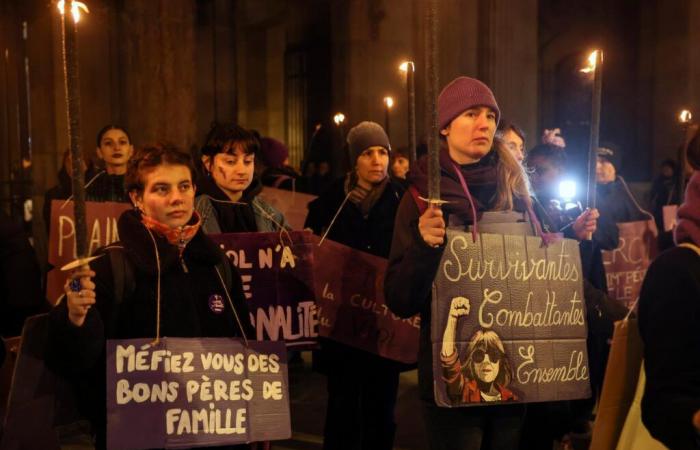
<point x="359" y="211"/>
<point x="400" y="163"/>
<point x="669" y="311"/>
<point x="114" y="149"/>
<point x="20" y="279"/>
<point x="228" y="198"/>
<point x="174" y="268"/>
<point x="486" y="371"/>
<point x="546" y="164"/>
<point x="324" y="158"/>
<point x="664" y="192"/>
<point x="64" y="189"/>
<point x="478" y="175"/>
<point x="614" y="198"/>
<point x="276" y="171"/>
<point x="550" y="421"/>
<point x="513" y="137"/>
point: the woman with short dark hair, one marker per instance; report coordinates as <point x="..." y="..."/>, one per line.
<point x="228" y="199"/>
<point x="158" y="280"/>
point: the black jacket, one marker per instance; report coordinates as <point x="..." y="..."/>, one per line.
<point x="79" y="353"/>
<point x="106" y="188"/>
<point x="20" y="279"/>
<point x="616" y="204"/>
<point x="371" y="234"/>
<point x="61" y="191"/>
<point x="669" y="314"/>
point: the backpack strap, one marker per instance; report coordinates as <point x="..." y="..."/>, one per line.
<point x="690" y="246"/>
<point x="420" y="203"/>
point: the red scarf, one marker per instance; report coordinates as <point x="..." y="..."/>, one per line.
<point x="178" y="237"/>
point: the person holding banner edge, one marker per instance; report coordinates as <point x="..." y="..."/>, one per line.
<point x="162" y="248"/>
<point x="359" y="211"/>
<point x="468" y="115"/>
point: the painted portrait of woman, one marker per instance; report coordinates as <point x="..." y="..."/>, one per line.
<point x="485" y="373"/>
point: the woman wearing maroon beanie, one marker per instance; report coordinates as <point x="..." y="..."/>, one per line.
<point x="495" y="181"/>
<point x="669" y="314"/>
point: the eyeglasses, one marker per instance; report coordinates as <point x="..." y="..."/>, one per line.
<point x="479" y="355"/>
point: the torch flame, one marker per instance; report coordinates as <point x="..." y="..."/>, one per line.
<point x="405" y="65"/>
<point x="389" y="102"/>
<point x="74" y="9"/>
<point x="592" y="59"/>
<point x="685" y="116"/>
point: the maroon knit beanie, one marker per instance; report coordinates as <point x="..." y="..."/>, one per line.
<point x="461" y="94"/>
<point x="688" y="228"/>
<point x="273" y="152"/>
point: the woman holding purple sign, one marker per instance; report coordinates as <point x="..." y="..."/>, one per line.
<point x="164" y="278"/>
<point x="359" y="211"/>
<point x="478" y="175"/>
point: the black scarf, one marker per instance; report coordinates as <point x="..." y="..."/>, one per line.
<point x="232" y="217"/>
<point x="481" y="178"/>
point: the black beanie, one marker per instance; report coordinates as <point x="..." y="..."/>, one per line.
<point x="365" y="135"/>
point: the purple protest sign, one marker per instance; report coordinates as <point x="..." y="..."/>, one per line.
<point x="277" y="274"/>
<point x="508" y="321"/>
<point x="350" y="297"/>
<point x="185" y="393"/>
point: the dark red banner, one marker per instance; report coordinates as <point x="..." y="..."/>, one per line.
<point x="351" y="308"/>
<point x="101" y="219"/>
<point x="626" y="266"/>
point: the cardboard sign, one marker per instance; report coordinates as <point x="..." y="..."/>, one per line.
<point x="195" y="392"/>
<point x="277" y="274"/>
<point x="101" y="219"/>
<point x="351" y="308"/>
<point x="508" y="321"/>
<point x="626" y="266"/>
<point x="293" y="205"/>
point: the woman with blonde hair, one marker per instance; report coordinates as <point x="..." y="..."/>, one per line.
<point x="481" y="182"/>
